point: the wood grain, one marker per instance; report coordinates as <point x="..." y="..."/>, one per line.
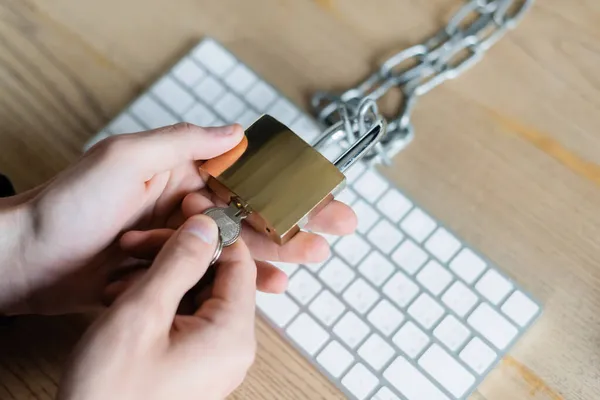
<point x="507" y="155"/>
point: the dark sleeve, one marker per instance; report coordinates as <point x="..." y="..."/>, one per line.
<point x="6" y="188"/>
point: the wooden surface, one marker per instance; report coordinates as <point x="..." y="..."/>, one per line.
<point x="507" y="156"/>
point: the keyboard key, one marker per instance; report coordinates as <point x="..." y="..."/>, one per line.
<point x="188" y="72"/>
<point x="411" y="383"/>
<point x="478" y="355"/>
<point x="434" y="277"/>
<point x="315" y="267"/>
<point x="303" y="286"/>
<point x="230" y="107"/>
<point x="209" y="90"/>
<point x="247" y="118"/>
<point x="400" y="289"/>
<point x="520" y="308"/>
<point x="360" y="381"/>
<point x="411" y="339"/>
<point x="371" y="185"/>
<point x="306" y="128"/>
<point x="418" y="225"/>
<point x="351" y="329"/>
<point x="240" y="78"/>
<point x="394" y="205"/>
<point x="467" y="265"/>
<point x="337" y="275"/>
<point x="409" y="256"/>
<point x="376" y="268"/>
<point x="494" y="286"/>
<point x="347" y="196"/>
<point x="376" y="352"/>
<point x="284" y="111"/>
<point x="326" y="307"/>
<point x="199" y="115"/>
<point x="361" y="296"/>
<point x="279" y="308"/>
<point x="214" y="57"/>
<point x="125" y="123"/>
<point x="385" y="317"/>
<point x="443" y="245"/>
<point x="367" y="216"/>
<point x="446" y="370"/>
<point x="307" y="333"/>
<point x="426" y="311"/>
<point x="460" y="298"/>
<point x="152" y="113"/>
<point x="385" y="236"/>
<point x="385" y="394"/>
<point x="352" y="249"/>
<point x="261" y="96"/>
<point x="288" y="268"/>
<point x="170" y="93"/>
<point x="335" y="359"/>
<point x="452" y="332"/>
<point x="493" y="326"/>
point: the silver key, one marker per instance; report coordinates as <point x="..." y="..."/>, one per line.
<point x="229" y="221"/>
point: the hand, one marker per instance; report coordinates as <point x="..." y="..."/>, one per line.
<point x="65" y="254"/>
<point x="140" y="348"/>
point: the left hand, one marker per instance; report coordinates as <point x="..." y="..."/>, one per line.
<point x="66" y="255"/>
<point x="142" y="348"/>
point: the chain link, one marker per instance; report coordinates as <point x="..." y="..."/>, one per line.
<point x="462" y="43"/>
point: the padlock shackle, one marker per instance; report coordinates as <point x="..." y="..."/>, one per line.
<point x="361" y="147"/>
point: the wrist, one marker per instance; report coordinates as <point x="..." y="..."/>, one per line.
<point x="15" y="233"/>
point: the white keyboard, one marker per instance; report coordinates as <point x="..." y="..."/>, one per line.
<point x="402" y="309"/>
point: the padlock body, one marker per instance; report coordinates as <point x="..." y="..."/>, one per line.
<point x="280" y="178"/>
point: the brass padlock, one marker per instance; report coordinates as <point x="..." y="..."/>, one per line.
<point x="278" y="180"/>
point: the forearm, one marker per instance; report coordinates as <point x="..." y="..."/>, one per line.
<point x="15" y="223"/>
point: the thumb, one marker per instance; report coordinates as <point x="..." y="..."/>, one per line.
<point x="180" y="264"/>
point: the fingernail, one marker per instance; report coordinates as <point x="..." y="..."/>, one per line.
<point x="202" y="227"/>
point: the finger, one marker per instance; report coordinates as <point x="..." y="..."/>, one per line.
<point x="234" y="288"/>
<point x="216" y="166"/>
<point x="176" y="219"/>
<point x="303" y="248"/>
<point x="145" y="244"/>
<point x="269" y="278"/>
<point x="117" y="288"/>
<point x="335" y="219"/>
<point x="162" y="149"/>
<point x="180" y="264"/>
<point x="196" y="203"/>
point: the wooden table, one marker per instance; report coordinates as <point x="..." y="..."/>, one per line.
<point x="507" y="156"/>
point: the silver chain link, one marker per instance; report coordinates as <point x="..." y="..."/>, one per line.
<point x="469" y="34"/>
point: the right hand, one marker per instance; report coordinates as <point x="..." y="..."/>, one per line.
<point x="141" y="349"/>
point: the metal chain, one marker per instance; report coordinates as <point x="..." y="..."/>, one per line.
<point x="469" y="34"/>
